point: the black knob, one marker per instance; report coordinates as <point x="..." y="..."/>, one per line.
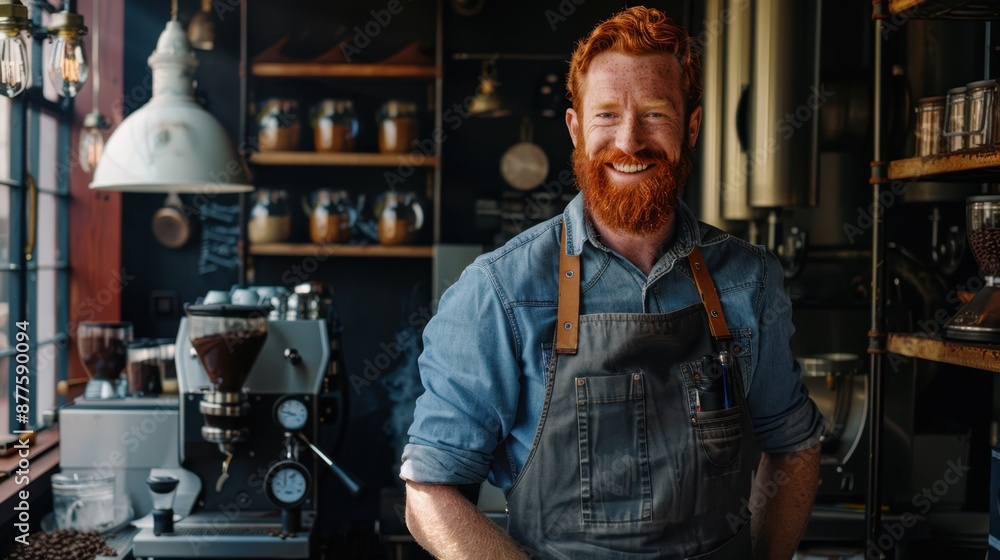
<point x="292" y="355"/>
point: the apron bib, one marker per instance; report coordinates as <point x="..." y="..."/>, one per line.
<point x="630" y="460"/>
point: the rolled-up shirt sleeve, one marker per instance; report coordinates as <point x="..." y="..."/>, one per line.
<point x="785" y="419"/>
<point x="471" y="381"/>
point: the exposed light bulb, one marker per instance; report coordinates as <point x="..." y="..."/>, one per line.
<point x="201" y="30"/>
<point x="91" y="141"/>
<point x="13" y="64"/>
<point x="68" y="68"/>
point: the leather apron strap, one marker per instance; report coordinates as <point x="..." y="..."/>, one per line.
<point x="567" y="324"/>
<point x="710" y="297"/>
<point x="567" y="327"/>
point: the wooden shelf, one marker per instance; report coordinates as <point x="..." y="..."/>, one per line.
<point x="339" y="250"/>
<point x="975" y="166"/>
<point x="340" y="70"/>
<point x="356" y="159"/>
<point x="945" y="9"/>
<point x="973" y="355"/>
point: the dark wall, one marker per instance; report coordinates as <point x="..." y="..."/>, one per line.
<point x="375" y="297"/>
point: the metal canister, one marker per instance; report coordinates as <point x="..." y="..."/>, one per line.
<point x="980" y="106"/>
<point x="955" y="119"/>
<point x="930" y="122"/>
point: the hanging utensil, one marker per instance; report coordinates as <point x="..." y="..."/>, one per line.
<point x="524" y="165"/>
<point x="170" y="226"/>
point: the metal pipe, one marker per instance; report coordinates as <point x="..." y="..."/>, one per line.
<point x="713" y="136"/>
<point x="735" y="166"/>
<point x="876" y="336"/>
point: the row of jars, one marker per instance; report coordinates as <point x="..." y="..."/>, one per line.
<point x="333" y="219"/>
<point x="966" y="118"/>
<point x="334" y="126"/>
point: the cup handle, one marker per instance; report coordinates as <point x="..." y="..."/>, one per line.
<point x="71" y="514"/>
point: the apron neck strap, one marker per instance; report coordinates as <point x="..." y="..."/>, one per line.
<point x="567" y="327"/>
<point x="709" y="297"/>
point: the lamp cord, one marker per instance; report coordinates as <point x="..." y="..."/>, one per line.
<point x="96" y="47"/>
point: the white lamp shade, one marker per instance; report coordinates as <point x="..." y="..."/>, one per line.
<point x="171" y="144"/>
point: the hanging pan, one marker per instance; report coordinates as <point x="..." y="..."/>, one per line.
<point x="524" y="165"/>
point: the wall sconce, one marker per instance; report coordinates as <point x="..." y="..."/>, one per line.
<point x="67" y="66"/>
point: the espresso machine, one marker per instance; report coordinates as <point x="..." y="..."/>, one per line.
<point x="254" y="393"/>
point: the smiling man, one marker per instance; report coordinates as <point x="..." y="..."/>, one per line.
<point x="617" y="369"/>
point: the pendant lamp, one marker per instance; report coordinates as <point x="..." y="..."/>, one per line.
<point x="171" y="144"/>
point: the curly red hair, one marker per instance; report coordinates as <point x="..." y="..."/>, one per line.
<point x="637" y="30"/>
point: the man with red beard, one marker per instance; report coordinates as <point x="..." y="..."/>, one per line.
<point x="622" y="371"/>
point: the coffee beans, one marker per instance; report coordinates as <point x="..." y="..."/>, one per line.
<point x="62" y="545"/>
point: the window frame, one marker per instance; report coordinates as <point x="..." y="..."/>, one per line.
<point x="26" y="115"/>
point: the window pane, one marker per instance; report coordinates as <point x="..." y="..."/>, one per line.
<point x="47" y="226"/>
<point x="48" y="152"/>
<point x="5" y="250"/>
<point x="5" y="109"/>
<point x="5" y="279"/>
<point x="47" y="302"/>
<point x="46" y="363"/>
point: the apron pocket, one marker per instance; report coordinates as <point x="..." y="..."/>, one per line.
<point x="720" y="433"/>
<point x="614" y="465"/>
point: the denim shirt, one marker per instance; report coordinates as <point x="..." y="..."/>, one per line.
<point x="487" y="349"/>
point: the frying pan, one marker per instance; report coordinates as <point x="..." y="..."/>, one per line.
<point x="524" y="165"/>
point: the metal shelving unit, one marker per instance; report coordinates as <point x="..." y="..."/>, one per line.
<point x="981" y="165"/>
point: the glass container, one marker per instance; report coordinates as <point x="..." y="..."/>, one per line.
<point x="955" y="124"/>
<point x="84" y="501"/>
<point x="270" y="218"/>
<point x="335" y="126"/>
<point x="103" y="348"/>
<point x="227" y="339"/>
<point x="399" y="220"/>
<point x="144" y="374"/>
<point x="397" y="131"/>
<point x="981" y="103"/>
<point x="278" y="126"/>
<point x="330" y="217"/>
<point x="929" y="128"/>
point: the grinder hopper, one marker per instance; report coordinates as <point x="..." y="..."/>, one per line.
<point x="227" y="339"/>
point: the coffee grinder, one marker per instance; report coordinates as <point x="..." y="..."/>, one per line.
<point x="979" y="320"/>
<point x="254" y="394"/>
<point x="103" y="350"/>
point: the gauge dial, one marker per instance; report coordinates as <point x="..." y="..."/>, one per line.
<point x="287" y="484"/>
<point x="291" y="414"/>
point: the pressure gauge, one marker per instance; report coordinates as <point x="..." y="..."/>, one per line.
<point x="291" y="413"/>
<point x="287" y="484"/>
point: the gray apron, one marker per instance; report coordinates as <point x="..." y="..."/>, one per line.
<point x="624" y="465"/>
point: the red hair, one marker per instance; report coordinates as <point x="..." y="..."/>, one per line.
<point x="638" y="30"/>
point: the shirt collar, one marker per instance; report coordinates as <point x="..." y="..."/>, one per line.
<point x="579" y="230"/>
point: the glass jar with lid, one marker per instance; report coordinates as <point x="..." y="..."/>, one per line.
<point x="278" y="126"/>
<point x="270" y="219"/>
<point x="397" y="131"/>
<point x="330" y="217"/>
<point x="930" y="120"/>
<point x="980" y="101"/>
<point x="400" y="218"/>
<point x="956" y="126"/>
<point x="335" y="126"/>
